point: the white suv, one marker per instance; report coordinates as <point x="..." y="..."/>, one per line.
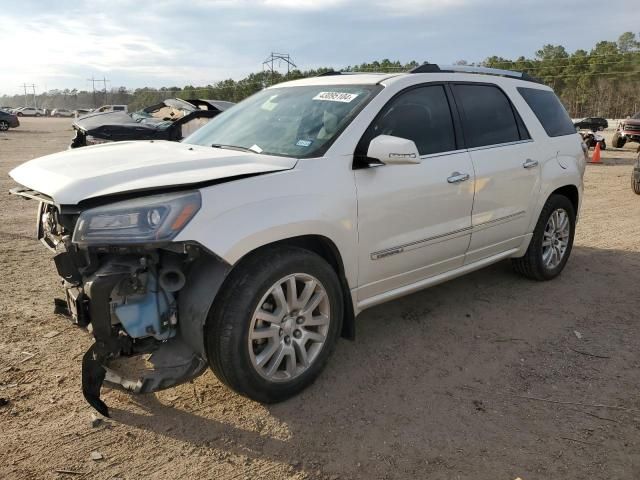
<point x="252" y="245"/>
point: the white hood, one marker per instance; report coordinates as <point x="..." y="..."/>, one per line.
<point x="75" y="175"/>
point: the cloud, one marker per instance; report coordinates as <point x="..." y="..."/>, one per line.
<point x="197" y="42"/>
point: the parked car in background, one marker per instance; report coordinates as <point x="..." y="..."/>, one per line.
<point x="80" y="112"/>
<point x="252" y="245"/>
<point x="61" y="112"/>
<point x="8" y="120"/>
<point x="173" y="119"/>
<point x="628" y="131"/>
<point x="111" y="108"/>
<point x="29" y="112"/>
<point x="592" y="123"/>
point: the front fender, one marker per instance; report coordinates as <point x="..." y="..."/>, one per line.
<point x="239" y="217"/>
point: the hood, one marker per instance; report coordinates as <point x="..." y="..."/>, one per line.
<point x="104" y="119"/>
<point x="631" y="121"/>
<point x="75" y="175"/>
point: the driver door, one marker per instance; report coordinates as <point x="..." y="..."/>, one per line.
<point x="414" y="221"/>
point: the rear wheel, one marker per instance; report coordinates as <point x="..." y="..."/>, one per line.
<point x="19" y="114"/>
<point x="603" y="145"/>
<point x="4" y="125"/>
<point x="275" y="323"/>
<point x="552" y="241"/>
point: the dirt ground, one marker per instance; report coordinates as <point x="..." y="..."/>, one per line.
<point x="490" y="376"/>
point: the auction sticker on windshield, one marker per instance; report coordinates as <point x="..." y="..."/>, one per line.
<point x="336" y="96"/>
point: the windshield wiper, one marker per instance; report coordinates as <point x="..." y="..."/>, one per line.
<point x="233" y="147"/>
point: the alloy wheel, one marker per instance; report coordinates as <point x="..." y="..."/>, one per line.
<point x="555" y="238"/>
<point x="289" y="327"/>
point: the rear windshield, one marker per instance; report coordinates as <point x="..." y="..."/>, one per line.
<point x="552" y="115"/>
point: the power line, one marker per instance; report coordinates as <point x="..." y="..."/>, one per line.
<point x="269" y="63"/>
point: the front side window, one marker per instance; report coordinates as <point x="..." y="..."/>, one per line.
<point x="287" y="121"/>
<point x="422" y="115"/>
<point x="487" y="116"/>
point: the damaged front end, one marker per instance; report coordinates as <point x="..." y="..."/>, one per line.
<point x="128" y="283"/>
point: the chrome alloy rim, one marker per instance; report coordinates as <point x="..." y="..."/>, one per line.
<point x="555" y="239"/>
<point x="289" y="327"/>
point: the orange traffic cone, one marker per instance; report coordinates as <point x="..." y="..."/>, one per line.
<point x="596" y="154"/>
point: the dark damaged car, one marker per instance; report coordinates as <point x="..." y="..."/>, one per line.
<point x="173" y="119"/>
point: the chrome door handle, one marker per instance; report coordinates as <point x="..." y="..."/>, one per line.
<point x="528" y="163"/>
<point x="457" y="177"/>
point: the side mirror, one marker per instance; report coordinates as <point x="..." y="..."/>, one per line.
<point x="393" y="150"/>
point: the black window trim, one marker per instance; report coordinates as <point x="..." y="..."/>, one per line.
<point x="360" y="159"/>
<point x="514" y="111"/>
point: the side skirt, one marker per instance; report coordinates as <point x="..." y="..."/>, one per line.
<point x="429" y="282"/>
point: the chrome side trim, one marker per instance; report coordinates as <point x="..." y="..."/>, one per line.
<point x="417" y="244"/>
<point x="498" y="145"/>
<point x="387" y="252"/>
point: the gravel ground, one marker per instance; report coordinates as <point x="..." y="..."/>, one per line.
<point x="490" y="376"/>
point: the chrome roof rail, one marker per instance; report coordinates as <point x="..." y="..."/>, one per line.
<point x="433" y="68"/>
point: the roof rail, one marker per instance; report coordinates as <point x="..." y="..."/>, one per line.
<point x="433" y="68"/>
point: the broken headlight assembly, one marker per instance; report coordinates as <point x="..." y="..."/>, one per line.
<point x="153" y="219"/>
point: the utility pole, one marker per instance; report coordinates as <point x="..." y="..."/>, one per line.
<point x="104" y="82"/>
<point x="93" y="89"/>
<point x="269" y="63"/>
<point x="25" y="86"/>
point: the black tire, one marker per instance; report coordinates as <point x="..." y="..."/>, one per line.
<point x="603" y="145"/>
<point x="229" y="321"/>
<point x="531" y="265"/>
<point x="617" y="141"/>
<point x="635" y="182"/>
<point x="37" y="114"/>
<point x="19" y="114"/>
<point x="4" y="125"/>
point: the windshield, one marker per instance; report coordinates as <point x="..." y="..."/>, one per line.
<point x="289" y="121"/>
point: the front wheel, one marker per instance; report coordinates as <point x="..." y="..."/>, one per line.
<point x="275" y="323"/>
<point x="603" y="145"/>
<point x="552" y="241"/>
<point x="4" y="126"/>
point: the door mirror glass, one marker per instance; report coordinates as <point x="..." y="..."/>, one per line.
<point x="393" y="150"/>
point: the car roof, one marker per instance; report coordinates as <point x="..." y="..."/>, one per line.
<point x="498" y="77"/>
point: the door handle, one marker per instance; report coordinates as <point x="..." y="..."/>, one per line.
<point x="528" y="163"/>
<point x="457" y="177"/>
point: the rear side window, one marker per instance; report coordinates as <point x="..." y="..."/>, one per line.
<point x="552" y="115"/>
<point x="487" y="116"/>
<point x="420" y="114"/>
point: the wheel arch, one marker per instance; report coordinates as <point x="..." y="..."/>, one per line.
<point x="208" y="276"/>
<point x="571" y="192"/>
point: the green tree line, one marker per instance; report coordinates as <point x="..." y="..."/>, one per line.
<point x="604" y="81"/>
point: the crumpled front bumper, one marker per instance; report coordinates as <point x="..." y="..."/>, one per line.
<point x="136" y="365"/>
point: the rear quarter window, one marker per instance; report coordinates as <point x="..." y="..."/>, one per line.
<point x="549" y="111"/>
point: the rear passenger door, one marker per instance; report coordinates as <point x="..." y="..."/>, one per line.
<point x="506" y="166"/>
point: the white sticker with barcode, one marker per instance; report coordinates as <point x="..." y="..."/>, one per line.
<point x="336" y="96"/>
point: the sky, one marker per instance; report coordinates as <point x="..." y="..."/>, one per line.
<point x="135" y="43"/>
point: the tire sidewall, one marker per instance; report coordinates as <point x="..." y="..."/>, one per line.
<point x="228" y="334"/>
<point x="555" y="202"/>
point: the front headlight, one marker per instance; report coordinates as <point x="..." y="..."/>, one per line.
<point x="158" y="218"/>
